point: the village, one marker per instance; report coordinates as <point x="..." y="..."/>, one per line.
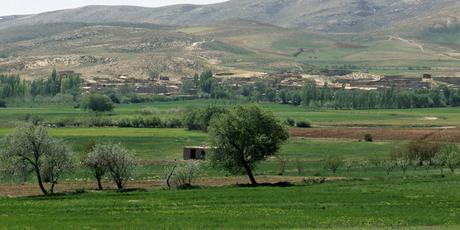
<point x="167" y="86"/>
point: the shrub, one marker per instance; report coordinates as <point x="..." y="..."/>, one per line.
<point x="420" y="151"/>
<point x="368" y="137"/>
<point x="388" y="165"/>
<point x="300" y="166"/>
<point x="2" y="104"/>
<point x="333" y="163"/>
<point x="150" y="111"/>
<point x="173" y="123"/>
<point x="401" y="157"/>
<point x="449" y="156"/>
<point x="97" y="103"/>
<point x="303" y="124"/>
<point x="290" y="122"/>
<point x="282" y="162"/>
<point x="182" y="175"/>
<point x="97" y="122"/>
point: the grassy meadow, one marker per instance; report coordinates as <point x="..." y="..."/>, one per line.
<point x="398" y="204"/>
<point x="318" y="117"/>
<point x="355" y="197"/>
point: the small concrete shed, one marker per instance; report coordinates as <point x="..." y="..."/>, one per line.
<point x="195" y="152"/>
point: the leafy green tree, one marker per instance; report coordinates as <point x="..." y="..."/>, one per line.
<point x="243" y="137"/>
<point x="97" y="103"/>
<point x="29" y="149"/>
<point x="206" y="81"/>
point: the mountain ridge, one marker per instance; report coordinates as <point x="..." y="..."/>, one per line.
<point x="313" y="15"/>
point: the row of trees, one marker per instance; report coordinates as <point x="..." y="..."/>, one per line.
<point x="413" y="154"/>
<point x="30" y="150"/>
<point x="240" y="138"/>
<point x="314" y="96"/>
<point x="14" y="86"/>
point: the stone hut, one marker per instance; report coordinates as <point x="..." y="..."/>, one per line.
<point x="195" y="152"/>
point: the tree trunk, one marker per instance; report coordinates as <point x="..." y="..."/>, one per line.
<point x="99" y="184"/>
<point x="52" y="187"/>
<point x="250" y="175"/>
<point x="119" y="185"/>
<point x="40" y="182"/>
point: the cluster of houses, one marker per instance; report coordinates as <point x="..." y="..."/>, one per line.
<point x="163" y="85"/>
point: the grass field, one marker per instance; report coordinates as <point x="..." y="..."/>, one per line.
<point x="428" y="203"/>
<point x="319" y="117"/>
<point x="356" y="197"/>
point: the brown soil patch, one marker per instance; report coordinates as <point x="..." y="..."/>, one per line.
<point x="398" y="134"/>
<point x="31" y="189"/>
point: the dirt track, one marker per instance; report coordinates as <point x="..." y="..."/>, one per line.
<point x="399" y="134"/>
<point x="31" y="189"/>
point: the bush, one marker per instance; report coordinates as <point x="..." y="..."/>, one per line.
<point x="173" y="123"/>
<point x="421" y="151"/>
<point x="182" y="175"/>
<point x="97" y="103"/>
<point x="150" y="111"/>
<point x="303" y="124"/>
<point x="368" y="137"/>
<point x="98" y="122"/>
<point x="300" y="166"/>
<point x="449" y="156"/>
<point x="2" y="104"/>
<point x="333" y="163"/>
<point x="67" y="122"/>
<point x="290" y="122"/>
<point x="282" y="162"/>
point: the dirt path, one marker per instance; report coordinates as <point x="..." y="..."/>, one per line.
<point x="31" y="189"/>
<point x="398" y="134"/>
<point x="408" y="42"/>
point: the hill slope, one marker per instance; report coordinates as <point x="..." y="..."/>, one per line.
<point x="315" y="15"/>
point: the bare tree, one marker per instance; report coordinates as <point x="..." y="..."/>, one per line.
<point x="119" y="162"/>
<point x="182" y="175"/>
<point x="29" y="149"/>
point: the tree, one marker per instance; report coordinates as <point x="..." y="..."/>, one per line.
<point x="243" y="137"/>
<point x="29" y="149"/>
<point x="97" y="103"/>
<point x="206" y="81"/>
<point x="333" y="163"/>
<point x="182" y="175"/>
<point x="449" y="157"/>
<point x="95" y="160"/>
<point x="119" y="162"/>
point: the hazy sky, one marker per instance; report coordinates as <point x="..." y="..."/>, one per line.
<point x="11" y="7"/>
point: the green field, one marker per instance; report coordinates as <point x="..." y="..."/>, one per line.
<point x="430" y="203"/>
<point x="319" y="117"/>
<point x="356" y="197"/>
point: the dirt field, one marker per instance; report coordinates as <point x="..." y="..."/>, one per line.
<point x="398" y="134"/>
<point x="31" y="189"/>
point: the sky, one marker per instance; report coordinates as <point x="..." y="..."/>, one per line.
<point x="13" y="7"/>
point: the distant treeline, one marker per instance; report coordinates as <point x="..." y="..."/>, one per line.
<point x="14" y="86"/>
<point x="314" y="96"/>
<point x="66" y="88"/>
<point x="390" y="98"/>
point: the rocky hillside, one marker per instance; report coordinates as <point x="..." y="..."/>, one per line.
<point x="314" y="15"/>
